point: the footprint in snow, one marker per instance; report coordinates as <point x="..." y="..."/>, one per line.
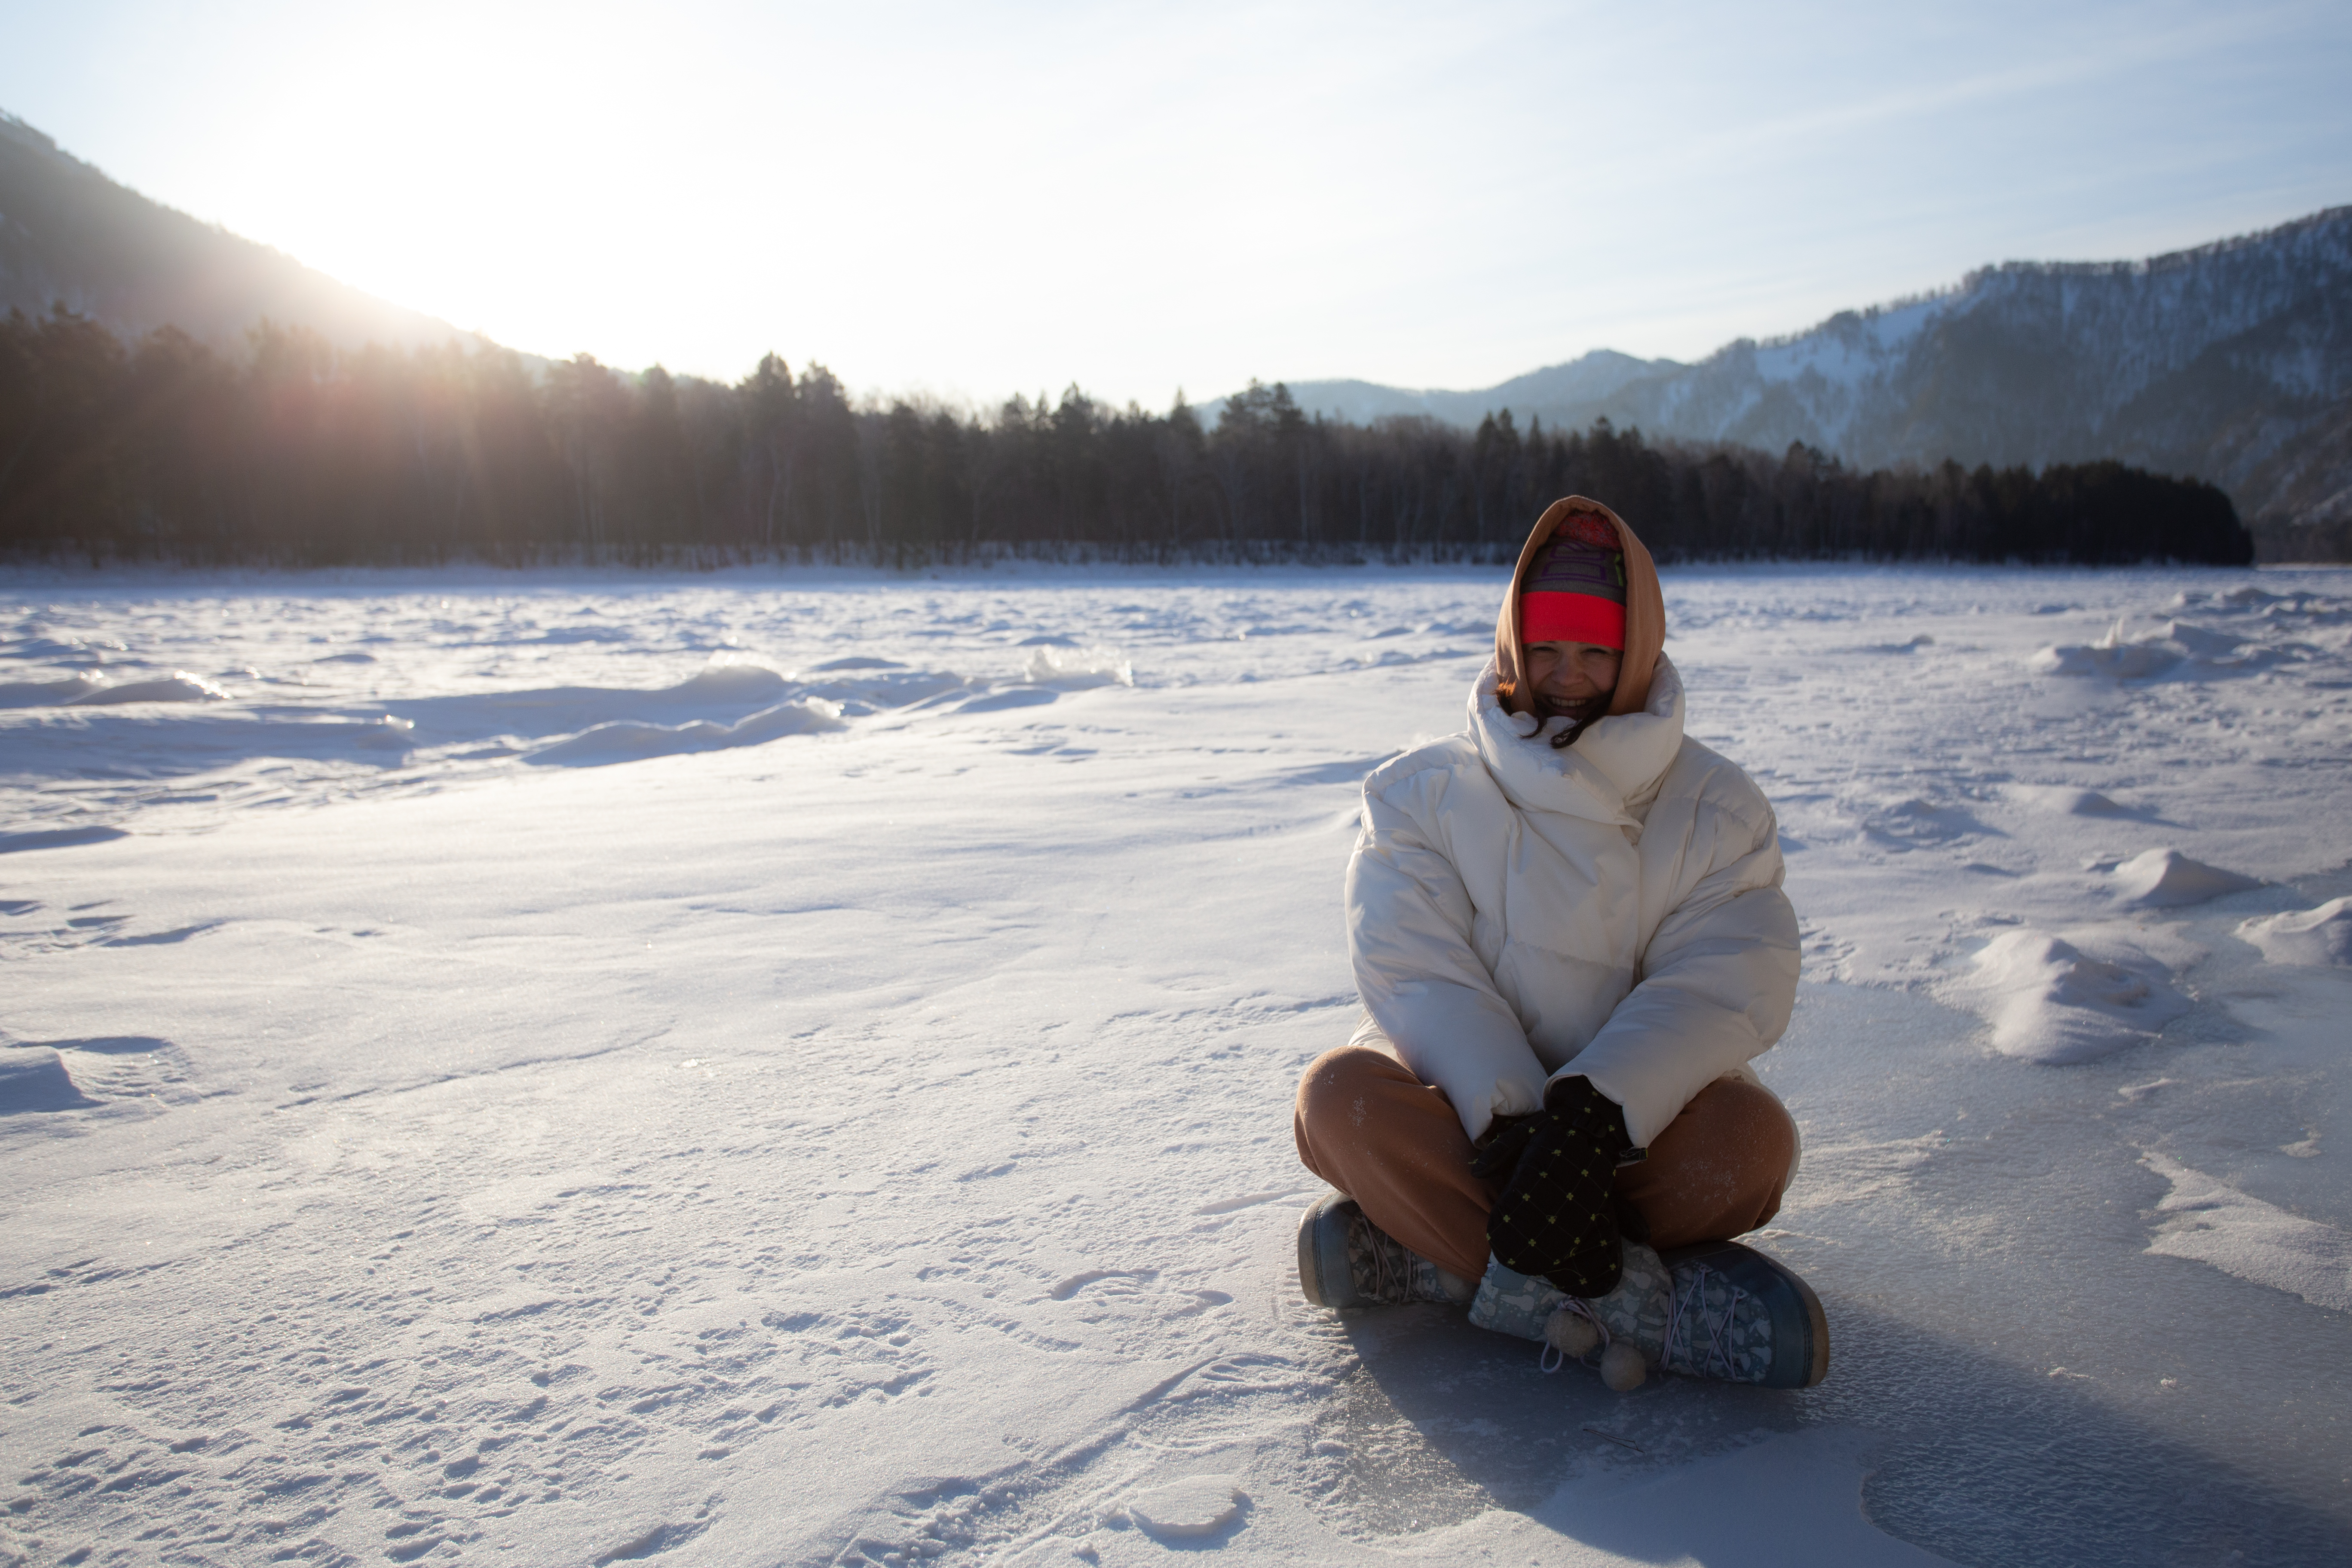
<point x="1077" y="1283"/>
<point x="1190" y="1508"/>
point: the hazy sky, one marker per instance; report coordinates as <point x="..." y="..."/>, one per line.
<point x="971" y="199"/>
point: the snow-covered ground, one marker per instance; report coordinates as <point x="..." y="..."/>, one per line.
<point x="796" y="1068"/>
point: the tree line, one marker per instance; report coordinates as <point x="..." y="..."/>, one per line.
<point x="298" y="455"/>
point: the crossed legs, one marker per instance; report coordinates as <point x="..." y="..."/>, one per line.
<point x="1366" y="1125"/>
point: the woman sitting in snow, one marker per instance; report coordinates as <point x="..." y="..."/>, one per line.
<point x="1571" y="940"/>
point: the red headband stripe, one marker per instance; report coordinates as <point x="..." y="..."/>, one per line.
<point x="1571" y="618"/>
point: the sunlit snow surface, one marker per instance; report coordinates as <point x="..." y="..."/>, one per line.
<point x="789" y="1068"/>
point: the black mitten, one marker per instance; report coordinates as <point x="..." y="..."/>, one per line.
<point x="1557" y="1215"/>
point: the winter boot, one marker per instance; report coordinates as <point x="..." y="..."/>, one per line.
<point x="1716" y="1310"/>
<point x="1346" y="1261"/>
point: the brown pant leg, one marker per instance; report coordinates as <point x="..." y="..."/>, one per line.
<point x="1718" y="1168"/>
<point x="1366" y="1125"/>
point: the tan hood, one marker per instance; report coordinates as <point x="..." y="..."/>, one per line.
<point x="1645" y="613"/>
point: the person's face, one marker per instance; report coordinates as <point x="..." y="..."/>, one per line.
<point x="1572" y="676"/>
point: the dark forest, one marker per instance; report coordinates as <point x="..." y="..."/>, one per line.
<point x="298" y="455"/>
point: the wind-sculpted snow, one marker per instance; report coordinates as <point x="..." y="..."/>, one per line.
<point x="2180" y="650"/>
<point x="2166" y="878"/>
<point x="2323" y="935"/>
<point x="797" y="1067"/>
<point x="1075" y="668"/>
<point x="2214" y="1223"/>
<point x="33" y="1079"/>
<point x="2054" y="1004"/>
<point x="624" y="739"/>
<point x="327" y="745"/>
<point x="74" y="691"/>
<point x="47" y="693"/>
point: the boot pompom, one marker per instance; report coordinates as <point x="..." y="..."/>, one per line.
<point x="1621" y="1367"/>
<point x="1572" y="1334"/>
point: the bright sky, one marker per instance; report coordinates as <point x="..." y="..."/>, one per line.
<point x="971" y="199"/>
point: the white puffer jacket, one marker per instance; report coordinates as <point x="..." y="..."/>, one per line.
<point x="1612" y="909"/>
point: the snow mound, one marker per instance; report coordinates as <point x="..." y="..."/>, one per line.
<point x="2245" y="599"/>
<point x="2231" y="600"/>
<point x="2210" y="1222"/>
<point x="45" y="693"/>
<point x="2070" y="802"/>
<point x="2056" y="1004"/>
<point x="2166" y="878"/>
<point x="35" y="1079"/>
<point x="1189" y="1509"/>
<point x="2140" y="659"/>
<point x="2110" y="657"/>
<point x="2323" y="935"/>
<point x="1074" y="668"/>
<point x="2201" y="642"/>
<point x="177" y="686"/>
<point x="729" y="678"/>
<point x="629" y="739"/>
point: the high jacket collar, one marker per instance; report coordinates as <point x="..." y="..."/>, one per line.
<point x="1611" y="774"/>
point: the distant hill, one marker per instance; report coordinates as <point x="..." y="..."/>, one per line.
<point x="69" y="234"/>
<point x="2232" y="362"/>
<point x="1590" y="381"/>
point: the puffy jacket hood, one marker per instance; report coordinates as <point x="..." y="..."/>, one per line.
<point x="1645" y="613"/>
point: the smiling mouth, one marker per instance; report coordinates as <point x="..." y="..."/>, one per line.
<point x="1575" y="709"/>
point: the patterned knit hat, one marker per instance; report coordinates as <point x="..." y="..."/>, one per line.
<point x="1576" y="586"/>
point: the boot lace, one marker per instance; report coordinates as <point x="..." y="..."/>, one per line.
<point x="1686" y="1309"/>
<point x="1390" y="1278"/>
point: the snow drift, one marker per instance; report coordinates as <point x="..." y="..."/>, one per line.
<point x="628" y="740"/>
<point x="2053" y="1004"/>
<point x="2166" y="879"/>
<point x="2320" y="936"/>
<point x="2178" y="648"/>
<point x="2212" y="1222"/>
<point x="177" y="686"/>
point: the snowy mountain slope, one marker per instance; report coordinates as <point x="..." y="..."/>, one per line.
<point x="2032" y="363"/>
<point x="2231" y="361"/>
<point x="867" y="1142"/>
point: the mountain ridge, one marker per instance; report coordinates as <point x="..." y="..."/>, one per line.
<point x="2230" y="360"/>
<point x="70" y="234"/>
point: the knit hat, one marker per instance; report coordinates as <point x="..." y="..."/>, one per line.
<point x="1576" y="586"/>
